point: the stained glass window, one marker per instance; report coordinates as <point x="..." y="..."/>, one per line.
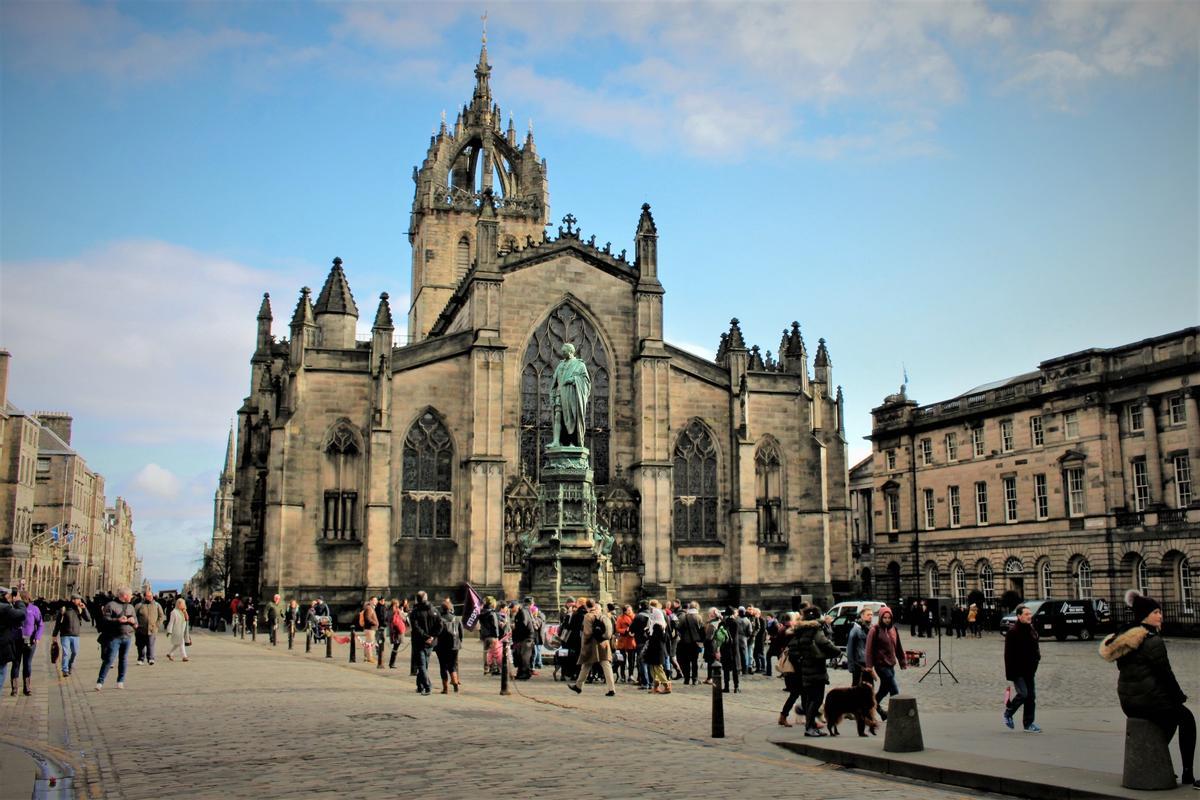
<point x="425" y="489"/>
<point x="695" y="476"/>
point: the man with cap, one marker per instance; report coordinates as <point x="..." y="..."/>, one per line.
<point x="66" y="629"/>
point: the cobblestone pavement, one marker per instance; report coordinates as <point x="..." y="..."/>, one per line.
<point x="242" y="719"/>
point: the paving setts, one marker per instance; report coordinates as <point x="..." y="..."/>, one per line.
<point x="243" y="719"/>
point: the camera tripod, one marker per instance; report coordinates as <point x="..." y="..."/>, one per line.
<point x="940" y="666"/>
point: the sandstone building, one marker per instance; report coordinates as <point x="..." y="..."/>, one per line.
<point x="56" y="535"/>
<point x="365" y="467"/>
<point x="1074" y="480"/>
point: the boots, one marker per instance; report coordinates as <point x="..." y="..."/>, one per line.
<point x="783" y="720"/>
<point x="392" y="660"/>
<point x="25" y="686"/>
<point x="13" y="693"/>
<point x="454" y="680"/>
<point x="446" y="687"/>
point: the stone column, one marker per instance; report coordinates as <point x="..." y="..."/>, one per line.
<point x="1153" y="455"/>
<point x="1112" y="459"/>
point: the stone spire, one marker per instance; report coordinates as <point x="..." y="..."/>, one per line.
<point x="335" y="297"/>
<point x="646" y="248"/>
<point x="263" y="342"/>
<point x="383" y="316"/>
<point x="229" y="465"/>
<point x="822" y="359"/>
<point x="723" y="348"/>
<point x="482" y="99"/>
<point x="264" y="310"/>
<point x="736" y="342"/>
<point x="304" y="309"/>
<point x="756" y="360"/>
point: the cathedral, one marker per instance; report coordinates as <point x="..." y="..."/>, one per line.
<point x="366" y="467"/>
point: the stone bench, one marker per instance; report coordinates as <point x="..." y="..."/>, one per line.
<point x="1147" y="760"/>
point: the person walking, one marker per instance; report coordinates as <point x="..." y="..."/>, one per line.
<point x="691" y="637"/>
<point x="120" y="621"/>
<point x="397" y="626"/>
<point x="31" y="634"/>
<point x="973" y="620"/>
<point x="12" y="617"/>
<point x="426" y="627"/>
<point x="595" y="645"/>
<point x="1146" y="686"/>
<point x="274" y="612"/>
<point x="883" y="654"/>
<point x="791" y="675"/>
<point x="809" y="652"/>
<point x="448" y="644"/>
<point x="856" y="645"/>
<point x="177" y="631"/>
<point x="728" y="652"/>
<point x="1021" y="657"/>
<point x="489" y="635"/>
<point x="150" y="619"/>
<point x="656" y="649"/>
<point x="67" y="626"/>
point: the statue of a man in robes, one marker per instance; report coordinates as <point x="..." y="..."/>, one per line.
<point x="569" y="394"/>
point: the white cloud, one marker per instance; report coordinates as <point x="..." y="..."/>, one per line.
<point x="157" y="481"/>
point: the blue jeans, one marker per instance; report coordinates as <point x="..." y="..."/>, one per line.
<point x="70" y="648"/>
<point x="1023" y="695"/>
<point x="117" y="648"/>
<point x="422" y="654"/>
<point x="3" y="673"/>
<point x="887" y="682"/>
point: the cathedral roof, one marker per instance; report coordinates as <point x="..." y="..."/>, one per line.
<point x="335" y="297"/>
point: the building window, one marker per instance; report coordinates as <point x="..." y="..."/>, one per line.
<point x="1141" y="485"/>
<point x="1185" y="585"/>
<point x="1047" y="578"/>
<point x="425" y="506"/>
<point x="933" y="580"/>
<point x="955" y="507"/>
<point x="926" y="452"/>
<point x="1006" y="436"/>
<point x="891" y="460"/>
<point x="695" y="478"/>
<point x="929" y="516"/>
<point x="341" y="515"/>
<point x="951" y="446"/>
<point x="43" y="466"/>
<point x="542" y="355"/>
<point x="1175" y="411"/>
<point x="1141" y="576"/>
<point x="462" y="257"/>
<point x="1183" y="481"/>
<point x="1083" y="580"/>
<point x="343" y="458"/>
<point x="769" y="494"/>
<point x="981" y="510"/>
<point x="977" y="440"/>
<point x="1037" y="433"/>
<point x="893" y="504"/>
<point x="960" y="585"/>
<point x="1041" y="497"/>
<point x="1074" y="480"/>
<point x="1010" y="499"/>
<point x="986" y="585"/>
<point x="1135" y="417"/>
<point x="1071" y="424"/>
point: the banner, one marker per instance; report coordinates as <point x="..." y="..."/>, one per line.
<point x="472" y="605"/>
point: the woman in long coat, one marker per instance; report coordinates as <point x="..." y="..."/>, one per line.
<point x="177" y="630"/>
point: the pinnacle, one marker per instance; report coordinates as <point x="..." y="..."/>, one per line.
<point x="822" y="359"/>
<point x="304" y="312"/>
<point x="383" y="316"/>
<point x="264" y="310"/>
<point x="646" y="224"/>
<point x="335" y="297"/>
<point x="735" y="335"/>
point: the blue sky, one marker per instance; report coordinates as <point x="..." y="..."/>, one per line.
<point x="963" y="188"/>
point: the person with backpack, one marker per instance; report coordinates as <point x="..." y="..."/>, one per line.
<point x="595" y="646"/>
<point x="448" y="644"/>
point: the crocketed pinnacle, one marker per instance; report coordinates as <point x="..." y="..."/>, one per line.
<point x="383" y="316"/>
<point x="646" y="226"/>
<point x="335" y="297"/>
<point x="264" y="311"/>
<point x="736" y="342"/>
<point x="304" y="310"/>
<point x="723" y="347"/>
<point x="795" y="342"/>
<point x="229" y="466"/>
<point x="822" y="359"/>
<point x="756" y="361"/>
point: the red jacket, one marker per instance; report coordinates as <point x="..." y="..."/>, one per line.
<point x="883" y="647"/>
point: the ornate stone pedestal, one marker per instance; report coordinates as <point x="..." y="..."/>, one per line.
<point x="571" y="556"/>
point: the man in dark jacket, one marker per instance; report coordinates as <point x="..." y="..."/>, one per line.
<point x="426" y="627"/>
<point x="1021" y="657"/>
<point x="489" y="632"/>
<point x="120" y="621"/>
<point x="856" y="645"/>
<point x="67" y="626"/>
<point x="809" y="651"/>
<point x="522" y="628"/>
<point x="691" y="637"/>
<point x="150" y="618"/>
<point x="12" y="617"/>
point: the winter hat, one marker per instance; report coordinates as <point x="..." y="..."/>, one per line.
<point x="1142" y="606"/>
<point x="811" y="613"/>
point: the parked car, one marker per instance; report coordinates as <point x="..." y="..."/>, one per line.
<point x="1063" y="618"/>
<point x="846" y="612"/>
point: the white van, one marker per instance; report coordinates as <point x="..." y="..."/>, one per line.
<point x="844" y="614"/>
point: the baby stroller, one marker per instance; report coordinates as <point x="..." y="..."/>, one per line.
<point x="320" y="626"/>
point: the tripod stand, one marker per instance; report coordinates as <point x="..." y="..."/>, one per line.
<point x="939" y="665"/>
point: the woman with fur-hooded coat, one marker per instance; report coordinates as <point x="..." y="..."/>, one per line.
<point x="1147" y="687"/>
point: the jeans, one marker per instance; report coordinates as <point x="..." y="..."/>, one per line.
<point x="812" y="697"/>
<point x="23" y="663"/>
<point x="70" y="648"/>
<point x="887" y="682"/>
<point x="421" y="653"/>
<point x="537" y="656"/>
<point x="117" y="650"/>
<point x="145" y="645"/>
<point x="794" y="687"/>
<point x="1023" y="694"/>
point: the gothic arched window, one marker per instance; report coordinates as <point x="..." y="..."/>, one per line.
<point x="565" y="324"/>
<point x="768" y="480"/>
<point x="462" y="258"/>
<point x="695" y="477"/>
<point x="343" y="461"/>
<point x="425" y="487"/>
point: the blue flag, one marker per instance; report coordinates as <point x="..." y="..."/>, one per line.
<point x="54" y="534"/>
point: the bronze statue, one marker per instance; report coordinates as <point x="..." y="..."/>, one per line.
<point x="569" y="394"/>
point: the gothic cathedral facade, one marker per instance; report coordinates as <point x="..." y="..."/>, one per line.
<point x="364" y="467"/>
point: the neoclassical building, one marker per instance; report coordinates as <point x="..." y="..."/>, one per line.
<point x="373" y="467"/>
<point x="1074" y="480"/>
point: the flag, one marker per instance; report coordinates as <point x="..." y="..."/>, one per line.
<point x="472" y="605"/>
<point x="54" y="534"/>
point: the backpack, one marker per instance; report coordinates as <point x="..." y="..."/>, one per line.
<point x="720" y="637"/>
<point x="599" y="629"/>
<point x="361" y="621"/>
<point x="398" y="623"/>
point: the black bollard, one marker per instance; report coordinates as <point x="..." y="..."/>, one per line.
<point x="291" y="635"/>
<point x="378" y="654"/>
<point x="329" y="643"/>
<point x="718" y="711"/>
<point x="254" y="629"/>
<point x="504" y="670"/>
<point x="308" y="642"/>
<point x="352" y="638"/>
<point x="243" y="627"/>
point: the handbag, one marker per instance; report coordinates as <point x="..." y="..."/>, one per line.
<point x="54" y="652"/>
<point x="785" y="666"/>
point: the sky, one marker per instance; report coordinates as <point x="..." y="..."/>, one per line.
<point x="959" y="190"/>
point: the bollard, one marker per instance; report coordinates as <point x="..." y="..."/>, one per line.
<point x="378" y="654"/>
<point x="243" y="627"/>
<point x="254" y="629"/>
<point x="291" y="634"/>
<point x="903" y="726"/>
<point x="504" y="670"/>
<point x="352" y="638"/>
<point x="718" y="710"/>
<point x="1147" y="760"/>
<point x="308" y="641"/>
<point x="329" y="643"/>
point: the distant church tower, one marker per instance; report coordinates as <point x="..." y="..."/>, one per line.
<point x="463" y="165"/>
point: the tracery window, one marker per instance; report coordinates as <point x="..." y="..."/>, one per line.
<point x="565" y="324"/>
<point x="343" y="461"/>
<point x="425" y="503"/>
<point x="695" y="478"/>
<point x="768" y="476"/>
